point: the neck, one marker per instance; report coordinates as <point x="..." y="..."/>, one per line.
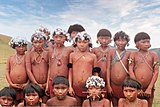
<point x="104" y="46"/>
<point x="143" y="51"/>
<point x="120" y="50"/>
<point x="59" y="45"/>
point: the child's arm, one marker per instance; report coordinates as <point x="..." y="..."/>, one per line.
<point x="95" y="60"/>
<point x="131" y="62"/>
<point x="8" y="72"/>
<point x="155" y="73"/>
<point x="70" y="77"/>
<point x="108" y="75"/>
<point x="28" y="67"/>
<point x="47" y="84"/>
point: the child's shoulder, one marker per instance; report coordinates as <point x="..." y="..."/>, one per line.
<point x="71" y="99"/>
<point x="122" y="100"/>
<point x="105" y="100"/>
<point x="51" y="100"/>
<point x="143" y="101"/>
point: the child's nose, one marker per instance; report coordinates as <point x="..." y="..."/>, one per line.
<point x="60" y="90"/>
<point x="128" y="93"/>
<point x="5" y="101"/>
<point x="31" y="97"/>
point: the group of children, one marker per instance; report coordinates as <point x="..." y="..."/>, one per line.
<point x="51" y="74"/>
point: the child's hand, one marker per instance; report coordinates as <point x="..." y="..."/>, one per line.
<point x="148" y="92"/>
<point x="71" y="91"/>
<point x="110" y="91"/>
<point x="47" y="91"/>
<point x="16" y="86"/>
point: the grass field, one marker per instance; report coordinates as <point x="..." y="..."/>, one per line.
<point x="4" y="83"/>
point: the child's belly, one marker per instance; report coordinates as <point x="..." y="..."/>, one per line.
<point x="118" y="74"/>
<point x="18" y="75"/>
<point x="80" y="77"/>
<point x="144" y="75"/>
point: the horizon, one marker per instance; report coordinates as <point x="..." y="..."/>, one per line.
<point x="23" y="17"/>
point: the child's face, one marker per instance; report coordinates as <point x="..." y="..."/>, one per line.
<point x="38" y="44"/>
<point x="60" y="91"/>
<point x="83" y="45"/>
<point x="144" y="44"/>
<point x="104" y="40"/>
<point x="121" y="43"/>
<point x="32" y="98"/>
<point x="94" y="91"/>
<point x="59" y="39"/>
<point x="6" y="101"/>
<point x="73" y="34"/>
<point x="130" y="93"/>
<point x="21" y="49"/>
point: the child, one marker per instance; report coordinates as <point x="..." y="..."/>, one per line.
<point x="16" y="73"/>
<point x="144" y="66"/>
<point x="37" y="61"/>
<point x="81" y="64"/>
<point x="7" y="97"/>
<point x="73" y="30"/>
<point x="131" y="88"/>
<point x="32" y="96"/>
<point x="104" y="38"/>
<point x="95" y="86"/>
<point x="117" y="67"/>
<point x="58" y="57"/>
<point x="60" y="88"/>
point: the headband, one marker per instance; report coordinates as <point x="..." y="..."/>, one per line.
<point x="95" y="81"/>
<point x="17" y="41"/>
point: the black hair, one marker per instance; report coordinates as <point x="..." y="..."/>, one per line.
<point x="129" y="82"/>
<point x="60" y="80"/>
<point x="31" y="88"/>
<point x="104" y="32"/>
<point x="122" y="35"/>
<point x="75" y="27"/>
<point x="141" y="36"/>
<point x="96" y="70"/>
<point x="7" y="91"/>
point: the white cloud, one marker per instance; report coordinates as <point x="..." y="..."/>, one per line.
<point x="115" y="15"/>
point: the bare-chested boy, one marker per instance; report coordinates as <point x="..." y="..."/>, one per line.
<point x="117" y="66"/>
<point x="81" y="64"/>
<point x="104" y="38"/>
<point x="37" y="61"/>
<point x="58" y="57"/>
<point x="131" y="88"/>
<point x="144" y="66"/>
<point x="16" y="73"/>
<point x="61" y="99"/>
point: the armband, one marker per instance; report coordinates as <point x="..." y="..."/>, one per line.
<point x="156" y="63"/>
<point x="69" y="65"/>
<point x="96" y="70"/>
<point x="130" y="61"/>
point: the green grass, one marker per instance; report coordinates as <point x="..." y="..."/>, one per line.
<point x="5" y="49"/>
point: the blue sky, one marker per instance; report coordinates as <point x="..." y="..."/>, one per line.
<point x="23" y="17"/>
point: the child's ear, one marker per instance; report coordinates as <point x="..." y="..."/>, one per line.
<point x="139" y="91"/>
<point x="149" y="46"/>
<point x="110" y="41"/>
<point x="137" y="45"/>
